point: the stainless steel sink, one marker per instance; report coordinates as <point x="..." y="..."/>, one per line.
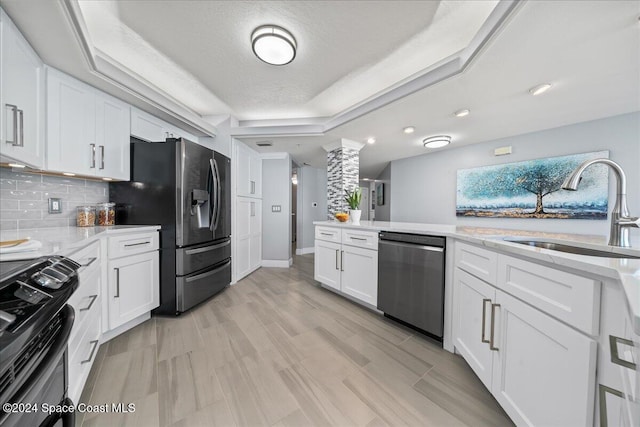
<point x="571" y="249"/>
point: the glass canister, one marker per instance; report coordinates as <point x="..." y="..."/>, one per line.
<point x="86" y="216"/>
<point x="106" y="213"/>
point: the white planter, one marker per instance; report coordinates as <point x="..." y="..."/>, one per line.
<point x="355" y="216"/>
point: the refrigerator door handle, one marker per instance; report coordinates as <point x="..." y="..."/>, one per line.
<point x="212" y="196"/>
<point x="211" y="189"/>
<point x="216" y="182"/>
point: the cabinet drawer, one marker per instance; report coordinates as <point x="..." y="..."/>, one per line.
<point x="328" y="234"/>
<point x="130" y="244"/>
<point x="571" y="298"/>
<point x="82" y="323"/>
<point x="480" y="262"/>
<point x="84" y="299"/>
<point x="81" y="358"/>
<point x="361" y="239"/>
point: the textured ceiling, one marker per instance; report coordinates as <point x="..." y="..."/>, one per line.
<point x="589" y="51"/>
<point x="200" y="53"/>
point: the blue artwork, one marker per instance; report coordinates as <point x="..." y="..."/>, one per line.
<point x="532" y="189"/>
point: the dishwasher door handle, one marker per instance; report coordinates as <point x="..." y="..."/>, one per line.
<point x="405" y="245"/>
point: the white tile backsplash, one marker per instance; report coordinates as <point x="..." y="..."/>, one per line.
<point x="24" y="198"/>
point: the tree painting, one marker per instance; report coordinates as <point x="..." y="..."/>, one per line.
<point x="533" y="189"/>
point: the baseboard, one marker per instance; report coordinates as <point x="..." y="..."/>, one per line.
<point x="304" y="251"/>
<point x="279" y="263"/>
<point x="109" y="335"/>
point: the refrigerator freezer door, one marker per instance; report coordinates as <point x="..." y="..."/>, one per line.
<point x="193" y="185"/>
<point x="198" y="287"/>
<point x="194" y="258"/>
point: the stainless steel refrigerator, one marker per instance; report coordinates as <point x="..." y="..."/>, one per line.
<point x="185" y="188"/>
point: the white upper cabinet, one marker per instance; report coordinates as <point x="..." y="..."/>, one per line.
<point x="21" y="98"/>
<point x="150" y="128"/>
<point x="112" y="137"/>
<point x="249" y="172"/>
<point x="87" y="130"/>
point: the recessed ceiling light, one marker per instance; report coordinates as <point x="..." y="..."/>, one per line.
<point x="273" y="45"/>
<point x="409" y="129"/>
<point x="371" y="141"/>
<point x="17" y="165"/>
<point x="537" y="90"/>
<point x="68" y="174"/>
<point x="462" y="113"/>
<point x="436" y="141"/>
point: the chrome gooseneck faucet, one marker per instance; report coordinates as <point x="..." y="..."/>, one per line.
<point x="621" y="221"/>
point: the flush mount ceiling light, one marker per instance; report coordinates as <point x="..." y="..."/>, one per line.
<point x="436" y="141"/>
<point x="540" y="89"/>
<point x="371" y="141"/>
<point x="273" y="45"/>
<point x="462" y="113"/>
<point x="409" y="129"/>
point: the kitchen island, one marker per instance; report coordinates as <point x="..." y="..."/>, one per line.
<point x="554" y="336"/>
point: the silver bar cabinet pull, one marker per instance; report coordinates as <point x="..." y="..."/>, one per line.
<point x="493" y="328"/>
<point x="341" y="260"/>
<point x="117" y="295"/>
<point x="93" y="299"/>
<point x="484" y="316"/>
<point x="102" y="157"/>
<point x="14" y="113"/>
<point x="615" y="357"/>
<point x="21" y="139"/>
<point x="337" y="250"/>
<point x="93" y="155"/>
<point x="94" y="344"/>
<point x="602" y="394"/>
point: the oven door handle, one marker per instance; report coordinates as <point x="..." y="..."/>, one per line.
<point x="30" y="391"/>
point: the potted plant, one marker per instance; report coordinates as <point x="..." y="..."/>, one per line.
<point x="353" y="199"/>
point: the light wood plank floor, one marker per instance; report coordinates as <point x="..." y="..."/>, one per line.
<point x="278" y="350"/>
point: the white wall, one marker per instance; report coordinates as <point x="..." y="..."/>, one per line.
<point x="222" y="142"/>
<point x="424" y="187"/>
<point x="276" y="226"/>
<point x="312" y="188"/>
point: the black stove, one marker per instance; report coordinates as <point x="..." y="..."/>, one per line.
<point x="35" y="324"/>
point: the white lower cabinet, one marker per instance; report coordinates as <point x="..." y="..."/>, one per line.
<point x="543" y="370"/>
<point x="85" y="334"/>
<point x="539" y="368"/>
<point x="360" y="274"/>
<point x="133" y="287"/>
<point x="472" y="308"/>
<point x="348" y="268"/>
<point x="327" y="263"/>
<point x="618" y="381"/>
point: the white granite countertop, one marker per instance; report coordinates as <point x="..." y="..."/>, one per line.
<point x="624" y="270"/>
<point x="64" y="240"/>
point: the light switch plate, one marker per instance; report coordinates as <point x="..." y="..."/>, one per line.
<point x="276" y="208"/>
<point x="55" y="205"/>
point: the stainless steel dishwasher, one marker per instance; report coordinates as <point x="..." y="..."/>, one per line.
<point x="411" y="280"/>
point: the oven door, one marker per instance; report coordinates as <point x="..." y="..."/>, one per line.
<point x="47" y="384"/>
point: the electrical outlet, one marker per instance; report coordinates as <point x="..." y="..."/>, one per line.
<point x="55" y="205"/>
<point x="276" y="208"/>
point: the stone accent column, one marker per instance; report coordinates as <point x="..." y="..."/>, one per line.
<point x="343" y="173"/>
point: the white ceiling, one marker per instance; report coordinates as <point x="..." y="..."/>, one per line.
<point x="198" y="52"/>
